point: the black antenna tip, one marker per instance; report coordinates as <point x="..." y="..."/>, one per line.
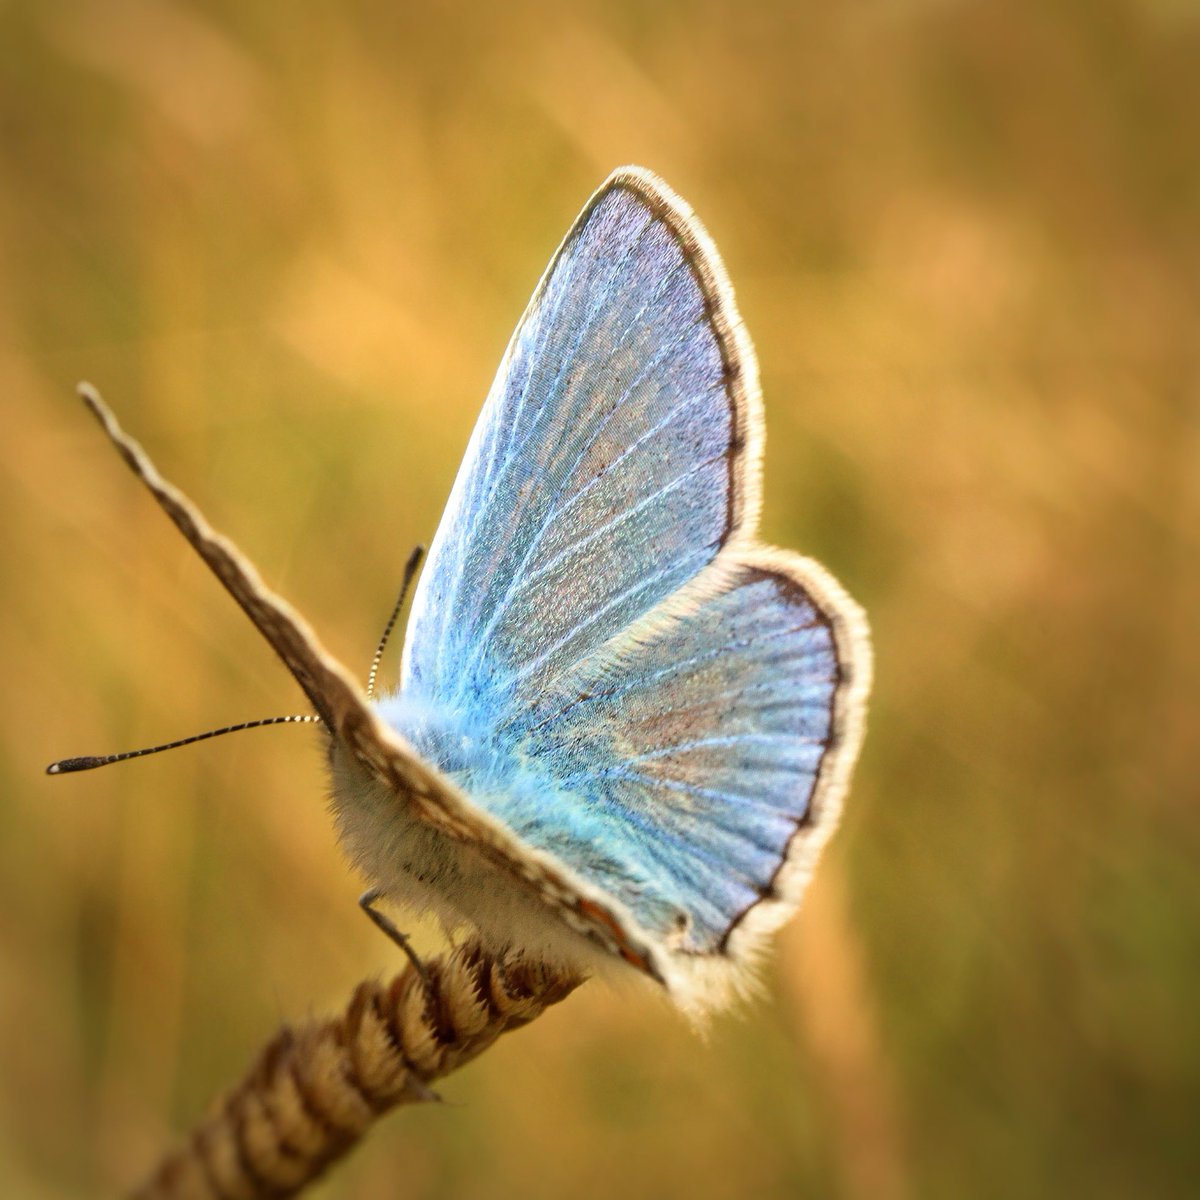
<point x="66" y="766"/>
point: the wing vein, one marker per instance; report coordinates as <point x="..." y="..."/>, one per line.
<point x="613" y="522"/>
<point x="729" y="800"/>
<point x="534" y="664"/>
<point x="734" y="739"/>
<point x="554" y="513"/>
<point x="548" y="323"/>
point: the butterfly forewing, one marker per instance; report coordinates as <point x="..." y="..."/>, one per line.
<point x="601" y="475"/>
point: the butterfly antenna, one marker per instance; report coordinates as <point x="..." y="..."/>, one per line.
<point x="66" y="766"/>
<point x="410" y="570"/>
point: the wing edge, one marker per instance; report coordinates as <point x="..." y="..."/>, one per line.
<point x="705" y="982"/>
<point x="709" y="981"/>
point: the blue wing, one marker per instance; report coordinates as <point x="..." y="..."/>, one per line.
<point x="686" y="755"/>
<point x="605" y="470"/>
<point x="600" y="656"/>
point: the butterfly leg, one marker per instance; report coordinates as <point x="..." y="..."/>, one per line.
<point x="367" y="903"/>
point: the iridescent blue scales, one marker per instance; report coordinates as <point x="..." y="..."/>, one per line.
<point x="671" y="768"/>
<point x="601" y="474"/>
<point x="624" y="726"/>
<point x="599" y="654"/>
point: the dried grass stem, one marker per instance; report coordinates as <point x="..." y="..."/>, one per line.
<point x="317" y="1088"/>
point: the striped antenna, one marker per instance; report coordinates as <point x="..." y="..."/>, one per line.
<point x="410" y="569"/>
<point x="67" y="766"/>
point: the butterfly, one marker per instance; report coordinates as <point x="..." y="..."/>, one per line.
<point x="624" y="726"/>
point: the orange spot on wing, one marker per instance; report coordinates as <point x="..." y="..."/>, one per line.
<point x="601" y="915"/>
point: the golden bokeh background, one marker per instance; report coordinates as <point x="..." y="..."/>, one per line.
<point x="289" y="242"/>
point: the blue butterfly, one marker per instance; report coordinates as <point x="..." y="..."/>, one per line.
<point x="624" y="726"/>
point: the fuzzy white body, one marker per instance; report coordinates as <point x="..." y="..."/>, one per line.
<point x="424" y="870"/>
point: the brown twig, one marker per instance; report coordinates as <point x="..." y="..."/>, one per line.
<point x="316" y="1089"/>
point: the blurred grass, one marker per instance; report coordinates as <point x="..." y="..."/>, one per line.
<point x="290" y="245"/>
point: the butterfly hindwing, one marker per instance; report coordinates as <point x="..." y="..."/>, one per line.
<point x="708" y="744"/>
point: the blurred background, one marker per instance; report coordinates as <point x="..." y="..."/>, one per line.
<point x="290" y="243"/>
